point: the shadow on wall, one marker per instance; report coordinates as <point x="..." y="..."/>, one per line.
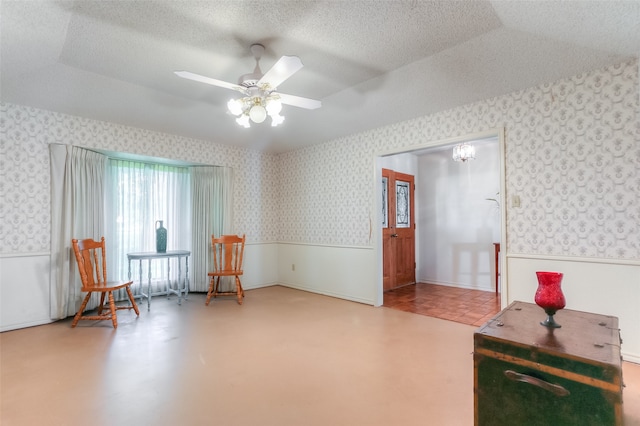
<point x="471" y="262"/>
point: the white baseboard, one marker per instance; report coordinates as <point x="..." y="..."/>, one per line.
<point x="17" y="326"/>
<point x="330" y="294"/>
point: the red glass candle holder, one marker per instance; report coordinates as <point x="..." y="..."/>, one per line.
<point x="549" y="296"/>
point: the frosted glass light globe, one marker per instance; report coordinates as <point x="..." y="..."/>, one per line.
<point x="243" y="120"/>
<point x="257" y="113"/>
<point x="235" y="106"/>
<point x="274" y="107"/>
<point x="276" y="119"/>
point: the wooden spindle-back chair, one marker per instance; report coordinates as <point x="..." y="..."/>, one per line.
<point x="92" y="266"/>
<point x="228" y="253"/>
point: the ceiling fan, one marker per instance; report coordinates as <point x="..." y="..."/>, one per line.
<point x="261" y="97"/>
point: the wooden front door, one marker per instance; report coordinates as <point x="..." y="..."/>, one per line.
<point x="398" y="230"/>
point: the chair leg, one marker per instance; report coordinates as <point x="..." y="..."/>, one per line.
<point x="217" y="288"/>
<point x="214" y="289"/>
<point x="133" y="301"/>
<point x="210" y="292"/>
<point x="101" y="305"/>
<point x="79" y="314"/>
<point x="112" y="306"/>
<point x="239" y="290"/>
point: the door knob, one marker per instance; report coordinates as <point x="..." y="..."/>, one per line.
<point x="394" y="235"/>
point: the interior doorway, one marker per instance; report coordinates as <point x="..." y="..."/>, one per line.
<point x="472" y="265"/>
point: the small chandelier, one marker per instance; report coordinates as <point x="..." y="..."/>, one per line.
<point x="463" y="152"/>
<point x="256" y="106"/>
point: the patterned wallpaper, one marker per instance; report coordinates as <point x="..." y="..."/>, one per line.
<point x="572" y="147"/>
<point x="572" y="156"/>
<point x="24" y="171"/>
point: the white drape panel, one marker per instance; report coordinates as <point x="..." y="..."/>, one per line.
<point x="138" y="195"/>
<point x="212" y="213"/>
<point x="77" y="211"/>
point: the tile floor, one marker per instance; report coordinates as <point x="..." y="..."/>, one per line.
<point x="472" y="307"/>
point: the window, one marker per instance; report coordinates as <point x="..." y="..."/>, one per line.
<point x="138" y="195"/>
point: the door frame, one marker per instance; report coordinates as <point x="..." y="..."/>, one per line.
<point x="376" y="218"/>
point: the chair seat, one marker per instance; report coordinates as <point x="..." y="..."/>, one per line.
<point x="109" y="286"/>
<point x="225" y="273"/>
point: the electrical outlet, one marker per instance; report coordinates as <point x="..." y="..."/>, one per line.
<point x="293" y="266"/>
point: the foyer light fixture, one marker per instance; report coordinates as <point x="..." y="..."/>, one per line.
<point x="463" y="152"/>
<point x="256" y="106"/>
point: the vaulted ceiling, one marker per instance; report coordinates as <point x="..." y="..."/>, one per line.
<point x="370" y="62"/>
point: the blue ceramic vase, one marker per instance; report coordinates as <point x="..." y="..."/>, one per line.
<point x="161" y="238"/>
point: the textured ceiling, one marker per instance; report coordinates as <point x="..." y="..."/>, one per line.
<point x="370" y="62"/>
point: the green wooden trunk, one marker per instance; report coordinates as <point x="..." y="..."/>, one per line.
<point x="527" y="374"/>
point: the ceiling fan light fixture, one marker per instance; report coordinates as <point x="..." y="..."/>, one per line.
<point x="254" y="109"/>
<point x="260" y="97"/>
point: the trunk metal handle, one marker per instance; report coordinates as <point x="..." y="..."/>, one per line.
<point x="518" y="377"/>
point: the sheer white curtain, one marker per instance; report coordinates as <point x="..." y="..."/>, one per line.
<point x="77" y="211"/>
<point x="138" y="195"/>
<point x="212" y="213"/>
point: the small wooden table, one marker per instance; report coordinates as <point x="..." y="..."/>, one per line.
<point x="151" y="255"/>
<point x="525" y="373"/>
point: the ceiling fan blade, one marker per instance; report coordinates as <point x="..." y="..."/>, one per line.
<point x="282" y="70"/>
<point x="298" y="101"/>
<point x="212" y="81"/>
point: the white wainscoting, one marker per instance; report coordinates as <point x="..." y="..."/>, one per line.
<point x="24" y="291"/>
<point x="604" y="287"/>
<point x="339" y="271"/>
<point x="599" y="286"/>
<point x="260" y="265"/>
